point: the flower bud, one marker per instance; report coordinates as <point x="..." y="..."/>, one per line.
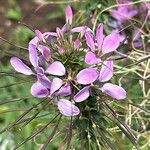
<point x="40" y="35"/>
<point x="69" y="15"/>
<point x="59" y="33"/>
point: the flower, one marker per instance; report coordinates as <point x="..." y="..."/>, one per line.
<point x="104" y="45"/>
<point x="65" y="72"/>
<point x="124" y="13"/>
<point x="105" y="75"/>
<point x="37" y="89"/>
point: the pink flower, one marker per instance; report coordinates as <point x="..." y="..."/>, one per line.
<point x="88" y="76"/>
<point x="37" y="89"/>
<point x="65" y="78"/>
<point x="104" y="44"/>
<point x="124" y="13"/>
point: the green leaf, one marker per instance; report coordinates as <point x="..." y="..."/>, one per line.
<point x="14" y="13"/>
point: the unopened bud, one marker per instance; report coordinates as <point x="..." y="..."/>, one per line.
<point x="69" y="15"/>
<point x="40" y="35"/>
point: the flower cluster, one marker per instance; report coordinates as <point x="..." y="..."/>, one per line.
<point x="68" y="65"/>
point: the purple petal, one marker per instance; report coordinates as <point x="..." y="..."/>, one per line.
<point x="106" y="71"/>
<point x="69" y="15"/>
<point x="120" y="36"/>
<point x="81" y="29"/>
<point x="90" y="41"/>
<point x="82" y="95"/>
<point x="114" y="91"/>
<point x="19" y="66"/>
<point x="34" y="41"/>
<point x="55" y="85"/>
<point x="40" y="35"/>
<point x="56" y="68"/>
<point x="38" y="90"/>
<point x="45" y="52"/>
<point x="147" y="5"/>
<point x="48" y="35"/>
<point x="64" y="28"/>
<point x="124" y="13"/>
<point x="91" y="59"/>
<point x="110" y="43"/>
<point x="87" y="76"/>
<point x="116" y="14"/>
<point x="44" y="80"/>
<point x="67" y="108"/>
<point x="33" y="55"/>
<point x="65" y="90"/>
<point x="132" y="13"/>
<point x="137" y="43"/>
<point x="99" y="36"/>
